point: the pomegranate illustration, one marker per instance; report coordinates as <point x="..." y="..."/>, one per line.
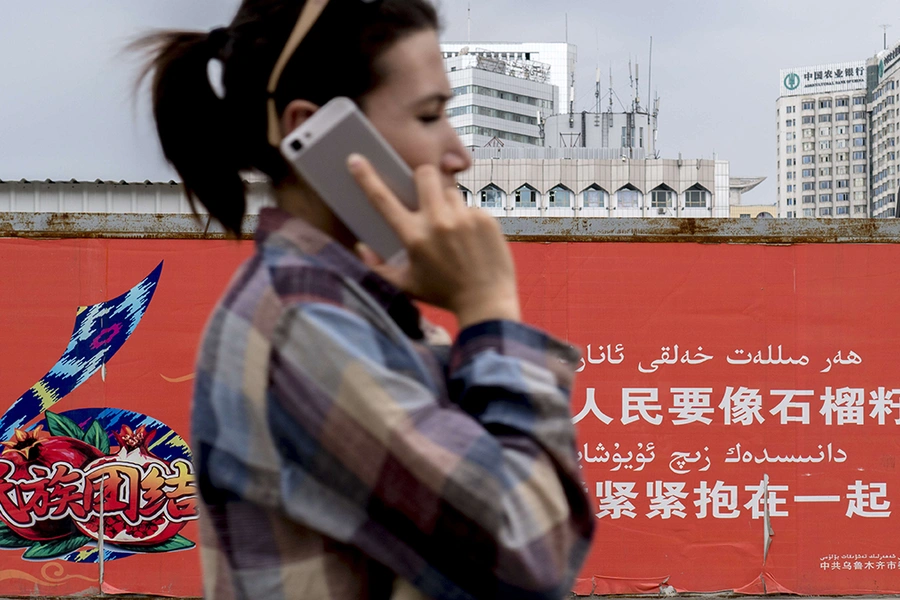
<point x="38" y="447"/>
<point x="132" y="449"/>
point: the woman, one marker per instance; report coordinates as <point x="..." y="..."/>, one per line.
<point x="339" y="454"/>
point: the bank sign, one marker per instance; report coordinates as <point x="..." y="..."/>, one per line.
<point x="835" y="77"/>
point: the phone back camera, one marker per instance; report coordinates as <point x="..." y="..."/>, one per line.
<point x="296" y="145"/>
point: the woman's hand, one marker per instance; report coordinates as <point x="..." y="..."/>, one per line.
<point x="458" y="258"/>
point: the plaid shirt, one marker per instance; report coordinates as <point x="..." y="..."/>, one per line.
<point x="341" y="456"/>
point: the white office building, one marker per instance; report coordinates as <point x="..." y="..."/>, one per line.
<point x="560" y="57"/>
<point x="822" y="142"/>
<point x="499" y="101"/>
<point x="884" y="123"/>
<point x="588" y="182"/>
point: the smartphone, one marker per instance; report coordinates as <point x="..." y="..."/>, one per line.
<point x="318" y="151"/>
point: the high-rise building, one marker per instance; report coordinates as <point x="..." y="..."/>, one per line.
<point x="499" y="101"/>
<point x="884" y="124"/>
<point x="560" y="57"/>
<point x="822" y="142"/>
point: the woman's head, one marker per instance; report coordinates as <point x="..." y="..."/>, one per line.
<point x="373" y="52"/>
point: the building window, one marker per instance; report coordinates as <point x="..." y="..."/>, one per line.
<point x="824" y="158"/>
<point x="825" y="185"/>
<point x="629" y="197"/>
<point x="661" y="198"/>
<point x="809" y="212"/>
<point x="825" y="131"/>
<point x="825" y="145"/>
<point x="859" y="195"/>
<point x="859" y="100"/>
<point x="808" y="160"/>
<point x="841" y="130"/>
<point x="860" y="168"/>
<point x="791" y="202"/>
<point x="808" y="133"/>
<point x="825" y="118"/>
<point x="790" y="162"/>
<point x="842" y="183"/>
<point x="859" y="128"/>
<point x="491" y="197"/>
<point x="464" y="193"/>
<point x="825" y="198"/>
<point x="843" y="197"/>
<point x="809" y="173"/>
<point x="859" y="142"/>
<point x="842" y="117"/>
<point x="808" y="120"/>
<point x="842" y="102"/>
<point x="841" y="156"/>
<point x="559" y="197"/>
<point x="843" y="210"/>
<point x="790" y="123"/>
<point x="861" y="209"/>
<point x="526" y="197"/>
<point x="809" y="199"/>
<point x="696" y="196"/>
<point x="824" y="103"/>
<point x="859" y="114"/>
<point x="789" y="109"/>
<point x="859" y="155"/>
<point x="595" y="197"/>
<point x="859" y="182"/>
<point x="486" y="91"/>
<point x="825" y="211"/>
<point x="809" y="105"/>
<point x="825" y="172"/>
<point x="791" y="214"/>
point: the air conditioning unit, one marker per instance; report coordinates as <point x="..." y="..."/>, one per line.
<point x="661" y="211"/>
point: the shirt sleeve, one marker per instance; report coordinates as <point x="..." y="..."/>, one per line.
<point x="479" y="497"/>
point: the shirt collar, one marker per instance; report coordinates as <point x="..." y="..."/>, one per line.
<point x="280" y="228"/>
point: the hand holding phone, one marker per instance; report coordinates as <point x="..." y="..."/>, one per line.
<point x="458" y="259"/>
<point x="318" y="151"/>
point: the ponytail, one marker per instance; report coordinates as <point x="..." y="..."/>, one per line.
<point x="211" y="138"/>
<point x="193" y="124"/>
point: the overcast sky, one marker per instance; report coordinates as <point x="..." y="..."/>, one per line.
<point x="67" y="112"/>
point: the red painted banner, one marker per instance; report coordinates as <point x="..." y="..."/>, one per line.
<point x="736" y="411"/>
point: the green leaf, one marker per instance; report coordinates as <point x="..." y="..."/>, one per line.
<point x="56" y="548"/>
<point x="63" y="426"/>
<point x="97" y="437"/>
<point x="10" y="540"/>
<point x="178" y="542"/>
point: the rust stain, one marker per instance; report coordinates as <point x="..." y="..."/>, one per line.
<point x="521" y="229"/>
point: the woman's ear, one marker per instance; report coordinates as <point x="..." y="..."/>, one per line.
<point x="295" y="114"/>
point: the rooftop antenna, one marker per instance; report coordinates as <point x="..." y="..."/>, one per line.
<point x="637" y="87"/>
<point x="885" y="27"/>
<point x="631" y="77"/>
<point x="650" y="75"/>
<point x="610" y="90"/>
<point x="597" y="90"/>
<point x="469" y="34"/>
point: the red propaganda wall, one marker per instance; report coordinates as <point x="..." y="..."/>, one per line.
<point x="736" y="411"/>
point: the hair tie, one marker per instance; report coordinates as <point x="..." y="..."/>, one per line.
<point x="220" y="43"/>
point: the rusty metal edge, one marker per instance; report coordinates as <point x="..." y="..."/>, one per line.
<point x="520" y="229"/>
